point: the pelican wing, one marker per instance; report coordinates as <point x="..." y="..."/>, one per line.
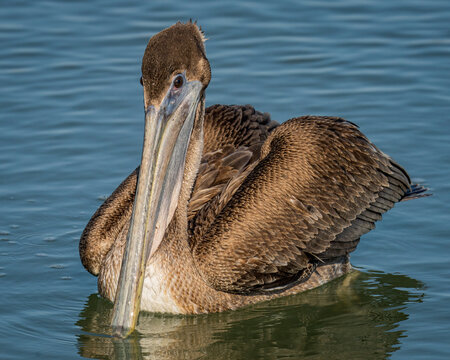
<point x="107" y="224"/>
<point x="317" y="186"/>
<point x="233" y="137"/>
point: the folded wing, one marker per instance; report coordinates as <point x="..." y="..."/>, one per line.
<point x="317" y="186"/>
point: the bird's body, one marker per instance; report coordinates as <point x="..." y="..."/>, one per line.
<point x="262" y="210"/>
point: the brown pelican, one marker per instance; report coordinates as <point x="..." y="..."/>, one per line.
<point x="229" y="208"/>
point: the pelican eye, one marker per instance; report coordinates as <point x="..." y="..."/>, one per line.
<point x="178" y="82"/>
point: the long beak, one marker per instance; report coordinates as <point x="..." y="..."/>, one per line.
<point x="166" y="139"/>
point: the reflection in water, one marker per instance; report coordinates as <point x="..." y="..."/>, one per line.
<point x="357" y="316"/>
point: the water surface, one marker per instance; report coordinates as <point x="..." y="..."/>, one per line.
<point x="71" y="121"/>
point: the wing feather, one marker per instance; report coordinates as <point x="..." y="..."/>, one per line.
<point x="318" y="186"/>
<point x="233" y="137"/>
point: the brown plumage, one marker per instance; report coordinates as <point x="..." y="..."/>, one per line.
<point x="264" y="210"/>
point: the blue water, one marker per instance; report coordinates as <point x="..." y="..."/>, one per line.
<point x="71" y="121"/>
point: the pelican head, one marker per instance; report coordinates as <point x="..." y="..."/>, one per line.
<point x="175" y="74"/>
